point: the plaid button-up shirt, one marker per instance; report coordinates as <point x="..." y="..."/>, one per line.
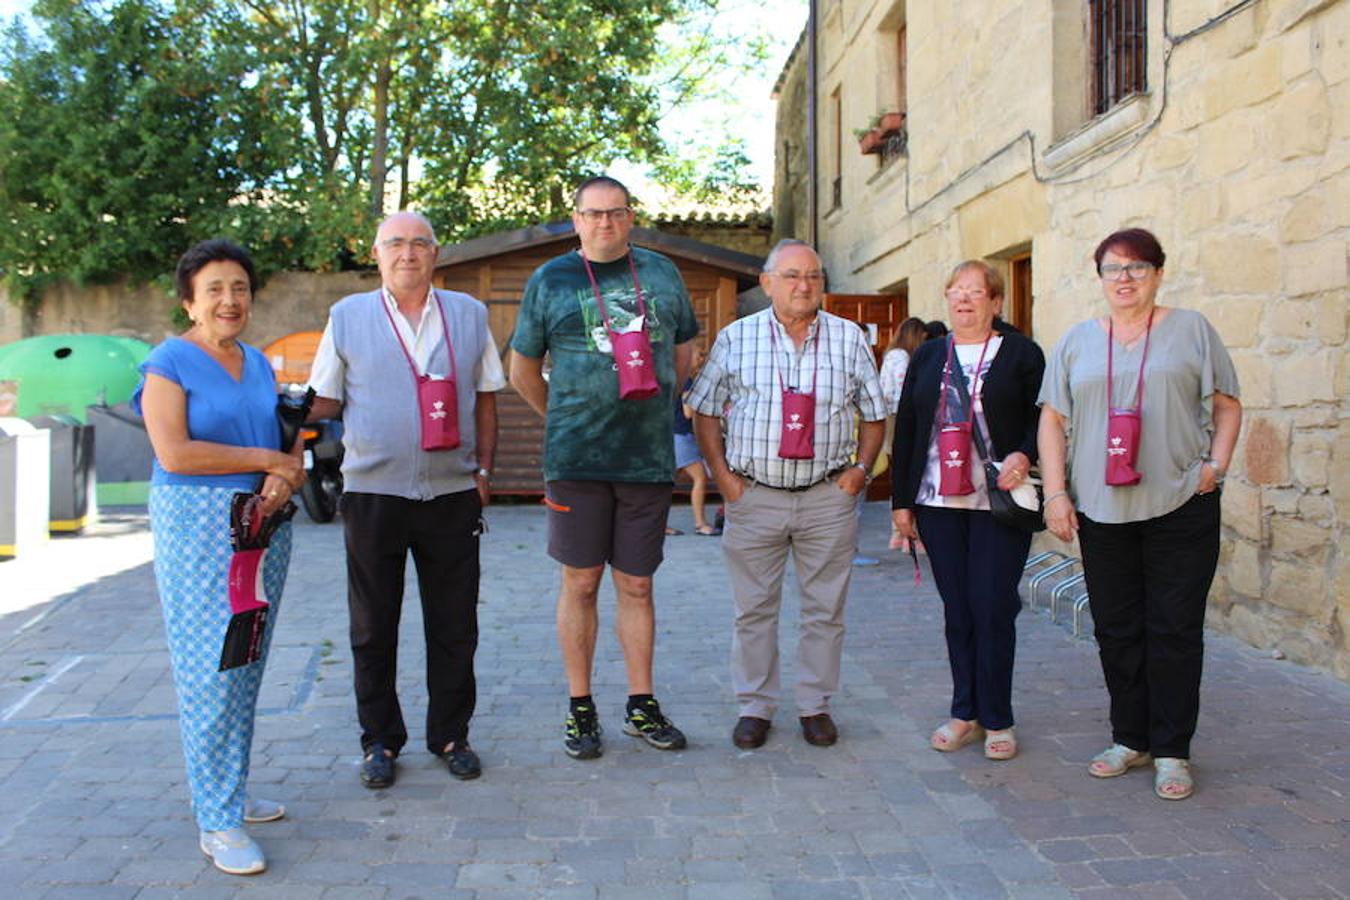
<point x="741" y="377"/>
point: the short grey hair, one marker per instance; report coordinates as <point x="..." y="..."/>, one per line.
<point x="772" y="259"/>
<point x="408" y="212"/>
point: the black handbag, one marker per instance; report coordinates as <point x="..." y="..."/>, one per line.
<point x="1005" y="510"/>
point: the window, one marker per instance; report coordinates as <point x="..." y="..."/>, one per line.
<point x="1119" y="32"/>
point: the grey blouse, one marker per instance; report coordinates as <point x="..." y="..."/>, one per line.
<point x="1187" y="362"/>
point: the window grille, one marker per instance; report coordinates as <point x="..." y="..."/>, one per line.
<point x="1119" y="51"/>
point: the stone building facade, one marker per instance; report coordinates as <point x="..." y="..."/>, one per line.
<point x="1230" y="140"/>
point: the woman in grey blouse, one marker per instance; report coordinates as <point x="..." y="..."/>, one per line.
<point x="1147" y="515"/>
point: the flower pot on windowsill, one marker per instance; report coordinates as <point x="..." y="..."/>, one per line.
<point x="891" y="122"/>
<point x="871" y="141"/>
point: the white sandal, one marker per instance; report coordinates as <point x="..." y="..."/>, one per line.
<point x="1175" y="773"/>
<point x="946" y="740"/>
<point x="1006" y="737"/>
<point x="1117" y="760"/>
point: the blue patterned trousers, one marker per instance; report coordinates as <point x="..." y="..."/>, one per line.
<point x="191" y="527"/>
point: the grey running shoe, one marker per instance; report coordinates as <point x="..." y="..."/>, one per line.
<point x="646" y="721"/>
<point x="581" y="734"/>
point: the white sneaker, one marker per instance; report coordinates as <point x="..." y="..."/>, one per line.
<point x="258" y="810"/>
<point x="233" y="851"/>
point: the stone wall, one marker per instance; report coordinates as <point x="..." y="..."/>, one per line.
<point x="1237" y="157"/>
<point x="288" y="302"/>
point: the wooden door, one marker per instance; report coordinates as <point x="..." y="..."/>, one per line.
<point x="882" y="314"/>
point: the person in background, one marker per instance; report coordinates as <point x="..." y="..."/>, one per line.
<point x="210" y="408"/>
<point x="689" y="460"/>
<point x="1150" y="397"/>
<point x="935" y="329"/>
<point x="894" y="363"/>
<point x="977" y="561"/>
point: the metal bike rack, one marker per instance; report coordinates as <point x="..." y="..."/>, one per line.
<point x="1043" y="574"/>
<point x="1042" y="557"/>
<point x="1062" y="590"/>
<point x="1036" y="560"/>
<point x="1080" y="603"/>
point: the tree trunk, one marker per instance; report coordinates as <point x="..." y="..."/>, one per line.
<point x="379" y="167"/>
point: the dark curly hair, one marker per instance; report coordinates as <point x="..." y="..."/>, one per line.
<point x="209" y="251"/>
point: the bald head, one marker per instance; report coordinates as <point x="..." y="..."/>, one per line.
<point x="405" y="217"/>
<point x="405" y="249"/>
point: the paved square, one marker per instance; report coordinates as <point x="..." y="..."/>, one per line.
<point x="95" y="803"/>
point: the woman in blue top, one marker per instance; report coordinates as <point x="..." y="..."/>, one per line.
<point x="209" y="404"/>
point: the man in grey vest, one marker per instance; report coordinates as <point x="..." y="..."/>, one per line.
<point x="412" y="371"/>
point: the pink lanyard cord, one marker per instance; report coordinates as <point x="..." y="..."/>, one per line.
<point x="595" y="288"/>
<point x="975" y="382"/>
<point x="815" y="353"/>
<point x="445" y="329"/>
<point x="1110" y="359"/>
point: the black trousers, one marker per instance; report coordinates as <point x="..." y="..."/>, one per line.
<point x="443" y="537"/>
<point x="977" y="564"/>
<point x="1147" y="584"/>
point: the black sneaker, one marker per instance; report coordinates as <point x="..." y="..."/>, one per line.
<point x="645" y="721"/>
<point x="581" y="734"/>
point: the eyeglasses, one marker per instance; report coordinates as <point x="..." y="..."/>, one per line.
<point x="1135" y="270"/>
<point x="812" y="278"/>
<point x="963" y="294"/>
<point x="617" y="214"/>
<point x="418" y="244"/>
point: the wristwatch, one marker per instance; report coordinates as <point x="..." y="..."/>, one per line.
<point x="484" y="473"/>
<point x="867" y="473"/>
<point x="1218" y="472"/>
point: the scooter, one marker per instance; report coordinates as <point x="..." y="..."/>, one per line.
<point x="323" y="456"/>
<point x="323" y="469"/>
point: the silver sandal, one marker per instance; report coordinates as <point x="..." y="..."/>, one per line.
<point x="1173" y="772"/>
<point x="1117" y="760"/>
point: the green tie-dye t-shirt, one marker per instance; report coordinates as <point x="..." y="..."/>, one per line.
<point x="592" y="435"/>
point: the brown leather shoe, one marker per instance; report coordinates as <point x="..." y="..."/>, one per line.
<point x="819" y="730"/>
<point x="750" y="732"/>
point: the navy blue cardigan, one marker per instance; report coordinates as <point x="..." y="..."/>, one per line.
<point x="1009" y="399"/>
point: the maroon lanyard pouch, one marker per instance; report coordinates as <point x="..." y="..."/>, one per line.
<point x="633" y="359"/>
<point x="1124" y="425"/>
<point x="954" y="438"/>
<point x="437" y="398"/>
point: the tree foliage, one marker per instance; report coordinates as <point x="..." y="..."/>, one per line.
<point x="121" y="134"/>
<point x="130" y="128"/>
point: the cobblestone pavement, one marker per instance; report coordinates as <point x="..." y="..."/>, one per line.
<point x="94" y="803"/>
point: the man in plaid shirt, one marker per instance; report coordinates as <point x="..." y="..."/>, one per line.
<point x="784" y="492"/>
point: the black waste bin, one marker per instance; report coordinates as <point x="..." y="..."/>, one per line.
<point x="72" y="476"/>
<point x="125" y="457"/>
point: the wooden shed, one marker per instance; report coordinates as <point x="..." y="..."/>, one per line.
<point x="494" y="268"/>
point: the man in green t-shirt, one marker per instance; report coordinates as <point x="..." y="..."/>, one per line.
<point x="608" y="462"/>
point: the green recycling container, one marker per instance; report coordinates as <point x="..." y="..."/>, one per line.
<point x="64" y="373"/>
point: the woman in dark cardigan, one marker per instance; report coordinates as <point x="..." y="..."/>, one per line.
<point x="976" y="561"/>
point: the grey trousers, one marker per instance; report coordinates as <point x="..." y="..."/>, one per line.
<point x="820" y="528"/>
